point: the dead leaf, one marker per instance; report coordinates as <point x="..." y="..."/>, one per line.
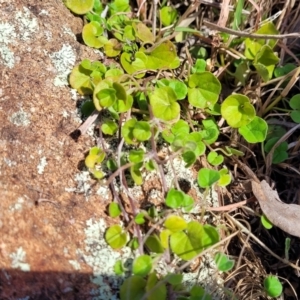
<point x="283" y="215"/>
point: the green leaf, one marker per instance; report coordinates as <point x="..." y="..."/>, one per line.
<point x="204" y="89"/>
<point x="164" y="105"/>
<point x="136" y="174"/>
<point x="140" y="218"/>
<point x="163" y="56"/>
<point x="87" y="108"/>
<point x="133" y="288"/>
<point x="112" y="48"/>
<point x="223" y="262"/>
<point x="196" y="238"/>
<point x="207" y="177"/>
<point x="175" y="223"/>
<point x="168" y="15"/>
<point x="155" y="289"/>
<point x="252" y="46"/>
<point x="225" y="177"/>
<point x="178" y="87"/>
<point x="136" y="156"/>
<point x="127" y="131"/>
<point x="116" y="237"/>
<point x="180" y="128"/>
<point x="196" y="139"/>
<point x="143" y="32"/>
<point x="106" y="97"/>
<point x="114" y="210"/>
<point x="121" y="106"/>
<point x="237" y="110"/>
<point x="174" y="198"/>
<point x="92" y="35"/>
<point x="295" y="105"/>
<point x="118" y="6"/>
<point x="214" y="158"/>
<point x="79" y="7"/>
<point x="283" y="70"/>
<point x="134" y="63"/>
<point x="109" y="127"/>
<point x="95" y="156"/>
<point x="189" y="158"/>
<point x="210" y="132"/>
<point x="119" y="268"/>
<point x="142" y="131"/>
<point x="174" y="279"/>
<point x="154" y="244"/>
<point x="280" y="153"/>
<point x="164" y="237"/>
<point x="80" y="79"/>
<point x="198" y="292"/>
<point x="266" y="58"/>
<point x="272" y="286"/>
<point x="200" y="66"/>
<point x="102" y="85"/>
<point x="134" y="243"/>
<point x="142" y="265"/>
<point x="255" y="131"/>
<point x="266" y="222"/>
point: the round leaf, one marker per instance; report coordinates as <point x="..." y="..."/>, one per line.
<point x="164" y="105"/>
<point x="168" y="15"/>
<point x="280" y="153"/>
<point x="204" y="89"/>
<point x="196" y="238"/>
<point x="154" y="244"/>
<point x="214" y="158"/>
<point x="109" y="127"/>
<point x="112" y="48"/>
<point x="175" y="223"/>
<point x="255" y="131"/>
<point x="116" y="237"/>
<point x="92" y="35"/>
<point x="237" y="110"/>
<point x="142" y="265"/>
<point x="142" y="131"/>
<point x="114" y="210"/>
<point x="207" y="177"/>
<point x="272" y="286"/>
<point x="133" y="288"/>
<point x="80" y="7"/>
<point x="223" y="262"/>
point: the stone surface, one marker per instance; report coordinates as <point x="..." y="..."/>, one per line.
<point x="41" y="222"/>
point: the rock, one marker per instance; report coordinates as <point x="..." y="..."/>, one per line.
<point x="42" y="220"/>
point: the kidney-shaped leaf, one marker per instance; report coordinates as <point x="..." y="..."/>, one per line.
<point x="92" y="35"/>
<point x="204" y="89"/>
<point x="196" y="238"/>
<point x="237" y="110"/>
<point x="164" y="105"/>
<point x="255" y="131"/>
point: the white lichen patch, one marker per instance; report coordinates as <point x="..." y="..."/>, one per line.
<point x="101" y="258"/>
<point x="20" y="118"/>
<point x="9" y="162"/>
<point x="7" y="33"/>
<point x="41" y="166"/>
<point x="63" y="61"/>
<point x="75" y="264"/>
<point x="18" y="205"/>
<point x="67" y="30"/>
<point x="27" y="24"/>
<point x="104" y="192"/>
<point x="83" y="184"/>
<point x="18" y="260"/>
<point x="23" y="28"/>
